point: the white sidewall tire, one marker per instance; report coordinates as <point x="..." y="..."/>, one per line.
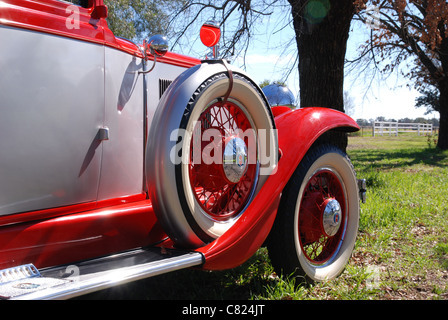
<point x="168" y="181"/>
<point x="344" y="170"/>
<point x="283" y="243"/>
<point x="253" y="105"/>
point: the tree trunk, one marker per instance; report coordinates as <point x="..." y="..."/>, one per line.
<point x="442" y="142"/>
<point x="322" y="43"/>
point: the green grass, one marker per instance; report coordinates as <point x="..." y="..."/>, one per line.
<point x="403" y="225"/>
<point x="401" y="251"/>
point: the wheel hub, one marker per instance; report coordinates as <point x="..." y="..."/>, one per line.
<point x="235" y="159"/>
<point x="331" y="216"/>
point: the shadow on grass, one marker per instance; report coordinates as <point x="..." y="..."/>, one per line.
<point x="383" y="159"/>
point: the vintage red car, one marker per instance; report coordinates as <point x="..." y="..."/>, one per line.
<point x="120" y="161"/>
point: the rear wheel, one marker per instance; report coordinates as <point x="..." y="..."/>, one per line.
<point x="317" y="222"/>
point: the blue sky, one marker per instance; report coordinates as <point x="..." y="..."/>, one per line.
<point x="375" y="97"/>
<point x="273" y="51"/>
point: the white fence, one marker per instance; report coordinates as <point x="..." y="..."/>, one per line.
<point x="393" y="128"/>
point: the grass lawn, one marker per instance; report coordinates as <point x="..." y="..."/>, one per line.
<point x="403" y="228"/>
<point x="401" y="251"/>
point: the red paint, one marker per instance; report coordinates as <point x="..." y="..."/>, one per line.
<point x="122" y="224"/>
<point x="72" y="233"/>
<point x="278" y="110"/>
<point x="297" y="131"/>
<point x="66" y="210"/>
<point x="67" y="234"/>
<point x="56" y="17"/>
<point x="210" y="35"/>
<point x="52" y="17"/>
<point x="79" y="236"/>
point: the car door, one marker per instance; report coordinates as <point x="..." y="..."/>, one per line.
<point x="122" y="163"/>
<point x="128" y="114"/>
<point x="51" y="104"/>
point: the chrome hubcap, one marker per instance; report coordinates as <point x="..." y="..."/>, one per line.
<point x="331" y="217"/>
<point x="235" y="159"/>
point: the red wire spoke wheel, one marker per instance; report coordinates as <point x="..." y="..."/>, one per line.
<point x="222" y="187"/>
<point x="317" y="224"/>
<point x="322" y="217"/>
<point x="205" y="160"/>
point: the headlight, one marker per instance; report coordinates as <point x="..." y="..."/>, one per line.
<point x="279" y="95"/>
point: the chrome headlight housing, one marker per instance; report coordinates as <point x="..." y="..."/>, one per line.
<point x="279" y="95"/>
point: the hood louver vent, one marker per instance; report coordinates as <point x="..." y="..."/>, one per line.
<point x="163" y="85"/>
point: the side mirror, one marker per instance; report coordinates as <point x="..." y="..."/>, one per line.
<point x="158" y="45"/>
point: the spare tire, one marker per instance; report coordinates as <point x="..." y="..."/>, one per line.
<point x="207" y="157"/>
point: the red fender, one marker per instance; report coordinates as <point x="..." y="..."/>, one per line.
<point x="297" y="131"/>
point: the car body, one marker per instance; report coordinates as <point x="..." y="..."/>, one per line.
<point x="82" y="139"/>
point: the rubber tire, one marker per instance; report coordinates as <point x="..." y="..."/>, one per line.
<point x="283" y="243"/>
<point x="187" y="226"/>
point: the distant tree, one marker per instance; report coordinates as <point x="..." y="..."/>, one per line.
<point x="363" y="122"/>
<point x="430" y="100"/>
<point x="136" y="19"/>
<point x="420" y="120"/>
<point x="435" y="122"/>
<point x="413" y="33"/>
<point x="265" y="83"/>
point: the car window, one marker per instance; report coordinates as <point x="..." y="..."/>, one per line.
<point x="81" y="3"/>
